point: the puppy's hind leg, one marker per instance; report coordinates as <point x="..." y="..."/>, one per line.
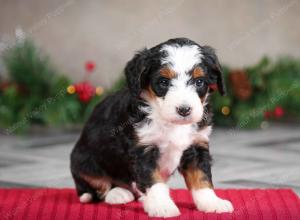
<point x="85" y="192"/>
<point x="91" y="189"/>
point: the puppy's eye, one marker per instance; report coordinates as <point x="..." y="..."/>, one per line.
<point x="199" y="82"/>
<point x="163" y="82"/>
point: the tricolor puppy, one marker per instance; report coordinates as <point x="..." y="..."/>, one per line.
<point x="136" y="138"/>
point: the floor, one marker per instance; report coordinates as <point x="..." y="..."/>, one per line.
<point x="242" y="159"/>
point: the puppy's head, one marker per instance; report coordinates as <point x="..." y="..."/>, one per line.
<point x="174" y="78"/>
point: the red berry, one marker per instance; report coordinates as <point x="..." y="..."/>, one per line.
<point x="278" y="112"/>
<point x="89" y="66"/>
<point x="267" y="114"/>
<point x="85" y="91"/>
<point x="214" y="87"/>
<point x="78" y="88"/>
<point x="84" y="97"/>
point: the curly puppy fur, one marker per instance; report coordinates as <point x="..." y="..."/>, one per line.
<point x="137" y="137"/>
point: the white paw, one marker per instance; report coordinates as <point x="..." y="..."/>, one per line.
<point x="85" y="198"/>
<point x="207" y="201"/>
<point x="158" y="203"/>
<point x="119" y="195"/>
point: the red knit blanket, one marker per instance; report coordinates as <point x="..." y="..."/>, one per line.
<point x="58" y="204"/>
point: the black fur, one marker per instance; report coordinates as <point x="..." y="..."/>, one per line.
<point x="143" y="164"/>
<point x="213" y="67"/>
<point x="197" y="157"/>
<point x="108" y="146"/>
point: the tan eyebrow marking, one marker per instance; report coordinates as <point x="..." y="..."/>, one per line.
<point x="168" y="73"/>
<point x="197" y="72"/>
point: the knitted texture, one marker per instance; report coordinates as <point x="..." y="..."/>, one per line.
<point x="58" y="204"/>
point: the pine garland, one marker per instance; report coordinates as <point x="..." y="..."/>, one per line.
<point x="36" y="93"/>
<point x="275" y="95"/>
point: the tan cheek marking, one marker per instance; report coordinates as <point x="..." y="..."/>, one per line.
<point x="196" y="179"/>
<point x="102" y="184"/>
<point x="202" y="99"/>
<point x="150" y="93"/>
<point x="197" y="72"/>
<point x="157" y="176"/>
<point x="204" y="144"/>
<point x="167" y="73"/>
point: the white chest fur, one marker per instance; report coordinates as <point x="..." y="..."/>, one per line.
<point x="172" y="140"/>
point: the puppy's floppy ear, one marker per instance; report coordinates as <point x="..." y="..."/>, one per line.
<point x="135" y="71"/>
<point x="214" y="68"/>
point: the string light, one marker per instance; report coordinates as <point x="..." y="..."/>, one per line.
<point x="225" y="110"/>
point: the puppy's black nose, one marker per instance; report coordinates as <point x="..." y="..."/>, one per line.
<point x="183" y="110"/>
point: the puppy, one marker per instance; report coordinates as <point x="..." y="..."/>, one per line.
<point x="136" y="138"/>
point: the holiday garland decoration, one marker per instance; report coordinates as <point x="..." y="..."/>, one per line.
<point x="34" y="93"/>
<point x="267" y="91"/>
<point x="85" y="90"/>
<point x="240" y="84"/>
<point x="277" y="113"/>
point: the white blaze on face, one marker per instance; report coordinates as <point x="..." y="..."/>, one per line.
<point x="181" y="60"/>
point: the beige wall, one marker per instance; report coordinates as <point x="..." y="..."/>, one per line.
<point x="73" y="31"/>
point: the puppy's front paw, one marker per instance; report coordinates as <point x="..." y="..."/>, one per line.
<point x="160" y="208"/>
<point x="207" y="201"/>
<point x="158" y="203"/>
